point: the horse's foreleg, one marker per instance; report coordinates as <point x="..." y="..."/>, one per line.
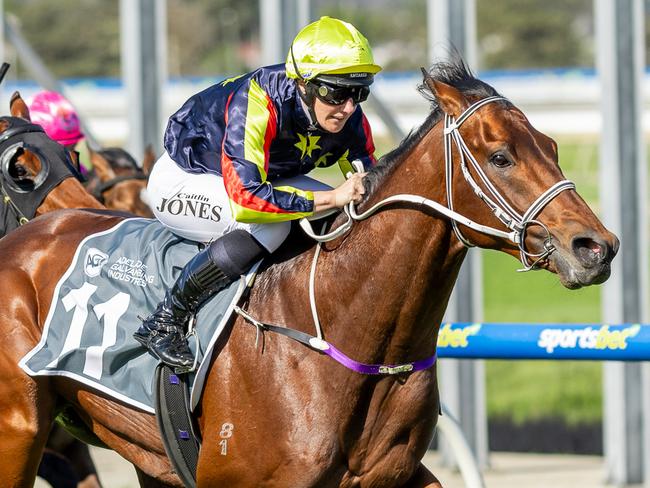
<point x="24" y="429"/>
<point x="71" y="455"/>
<point x="423" y="478"/>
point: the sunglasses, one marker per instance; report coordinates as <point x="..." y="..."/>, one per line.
<point x="339" y="95"/>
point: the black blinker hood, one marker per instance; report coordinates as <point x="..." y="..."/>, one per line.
<point x="28" y="194"/>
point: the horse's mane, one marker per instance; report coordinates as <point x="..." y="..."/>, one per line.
<point x="455" y="73"/>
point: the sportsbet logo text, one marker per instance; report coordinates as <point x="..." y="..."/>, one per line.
<point x="448" y="337"/>
<point x="587" y="338"/>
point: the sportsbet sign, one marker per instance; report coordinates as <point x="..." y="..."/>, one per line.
<point x="630" y="342"/>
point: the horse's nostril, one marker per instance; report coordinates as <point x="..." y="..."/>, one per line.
<point x="588" y="251"/>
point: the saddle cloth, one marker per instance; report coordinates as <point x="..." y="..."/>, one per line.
<point x="115" y="277"/>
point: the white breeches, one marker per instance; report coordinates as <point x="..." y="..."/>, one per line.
<point x="195" y="206"/>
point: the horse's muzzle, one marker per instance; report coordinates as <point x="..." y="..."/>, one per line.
<point x="588" y="262"/>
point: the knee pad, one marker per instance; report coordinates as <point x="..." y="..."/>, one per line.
<point x="235" y="252"/>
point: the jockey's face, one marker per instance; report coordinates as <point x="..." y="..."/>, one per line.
<point x="332" y="118"/>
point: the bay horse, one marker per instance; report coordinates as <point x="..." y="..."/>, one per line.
<point x="287" y="415"/>
<point x="118" y="182"/>
<point x="35" y="182"/>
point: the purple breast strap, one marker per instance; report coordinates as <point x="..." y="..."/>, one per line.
<point x="328" y="349"/>
<point x="384" y="369"/>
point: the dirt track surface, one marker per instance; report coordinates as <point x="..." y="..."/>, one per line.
<point x="507" y="470"/>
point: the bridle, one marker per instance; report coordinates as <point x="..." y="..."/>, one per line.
<point x="19" y="131"/>
<point x="516" y="223"/>
<point x="499" y="206"/>
<point x="104" y="186"/>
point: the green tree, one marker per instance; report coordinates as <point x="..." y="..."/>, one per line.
<point x="535" y="34"/>
<point x="208" y="37"/>
<point x="397" y="30"/>
<point x="81" y="38"/>
<point x="76" y="38"/>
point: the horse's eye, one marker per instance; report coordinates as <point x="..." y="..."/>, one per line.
<point x="19" y="171"/>
<point x="500" y="160"/>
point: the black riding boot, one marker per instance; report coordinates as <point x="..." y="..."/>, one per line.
<point x="163" y="332"/>
<point x="211" y="270"/>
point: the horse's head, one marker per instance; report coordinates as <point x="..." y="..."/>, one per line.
<point x="31" y="164"/>
<point x="119" y="182"/>
<point x="506" y="175"/>
<point x="23" y="143"/>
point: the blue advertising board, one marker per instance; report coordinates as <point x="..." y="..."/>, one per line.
<point x="599" y="342"/>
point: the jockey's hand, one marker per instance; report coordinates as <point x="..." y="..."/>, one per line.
<point x="352" y="190"/>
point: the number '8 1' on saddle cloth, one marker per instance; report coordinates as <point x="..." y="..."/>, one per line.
<point x="114" y="277"/>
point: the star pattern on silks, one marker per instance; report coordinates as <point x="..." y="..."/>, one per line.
<point x="307" y="144"/>
<point x="322" y="161"/>
<point x="230" y="80"/>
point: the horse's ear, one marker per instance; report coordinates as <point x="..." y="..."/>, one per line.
<point x="18" y="107"/>
<point x="74" y="157"/>
<point x="101" y="166"/>
<point x="450" y="100"/>
<point x="149" y="160"/>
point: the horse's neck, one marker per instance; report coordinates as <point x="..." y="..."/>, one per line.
<point x="393" y="275"/>
<point x="68" y="194"/>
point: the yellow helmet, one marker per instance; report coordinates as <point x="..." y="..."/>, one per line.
<point x="329" y="46"/>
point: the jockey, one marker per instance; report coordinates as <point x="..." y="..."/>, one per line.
<point x="233" y="175"/>
<point x="58" y="118"/>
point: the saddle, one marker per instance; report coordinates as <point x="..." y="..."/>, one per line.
<point x="116" y="276"/>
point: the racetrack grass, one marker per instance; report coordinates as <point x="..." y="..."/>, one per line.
<point x="534" y="296"/>
<point x="530" y="390"/>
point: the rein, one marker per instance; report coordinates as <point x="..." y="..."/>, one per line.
<point x="516" y="223"/>
<point x="21" y="218"/>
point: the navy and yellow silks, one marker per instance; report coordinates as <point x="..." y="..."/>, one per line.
<point x="253" y="130"/>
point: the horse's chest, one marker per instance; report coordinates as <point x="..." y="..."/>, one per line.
<point x="311" y="426"/>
